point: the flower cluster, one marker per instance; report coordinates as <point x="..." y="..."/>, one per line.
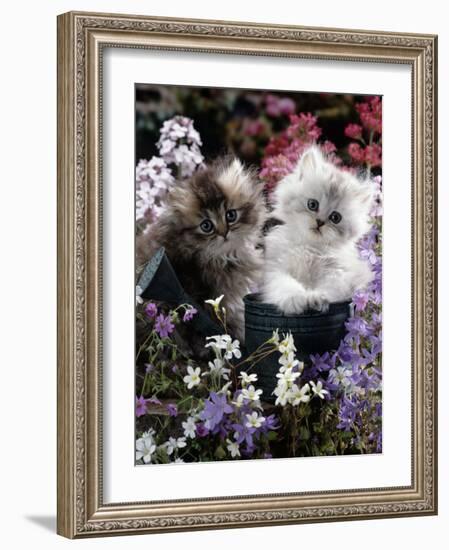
<point x="220" y="418"/>
<point x="179" y="144"/>
<point x="366" y="150"/>
<point x="283" y="150"/>
<point x="208" y="405"/>
<point x="180" y="155"/>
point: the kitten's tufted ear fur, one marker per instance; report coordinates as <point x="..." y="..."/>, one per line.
<point x="311" y="162"/>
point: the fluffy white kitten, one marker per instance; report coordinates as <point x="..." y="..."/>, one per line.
<point x="312" y="259"/>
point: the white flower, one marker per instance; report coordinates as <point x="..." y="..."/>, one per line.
<point x="215" y="303"/>
<point x="239" y="401"/>
<point x="193" y="377"/>
<point x="340" y="375"/>
<point x="318" y="389"/>
<point x="233" y="448"/>
<point x="189" y="427"/>
<point x="275" y="338"/>
<point x="287" y="377"/>
<point x="221" y="342"/>
<point x="299" y="395"/>
<point x="247" y="378"/>
<point x="224" y="342"/>
<point x="172" y="444"/>
<point x="251" y="393"/>
<point x="287" y="345"/>
<point x="288" y="361"/>
<point x="218" y="369"/>
<point x="232" y="349"/>
<point x="282" y="394"/>
<point x="254" y="420"/>
<point x="139" y="299"/>
<point x="145" y="447"/>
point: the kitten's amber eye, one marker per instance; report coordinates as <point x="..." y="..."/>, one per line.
<point x="313" y="205"/>
<point x="231" y="216"/>
<point x="206" y="226"/>
<point x="335" y="217"/>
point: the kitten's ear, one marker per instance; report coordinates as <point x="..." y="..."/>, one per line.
<point x="235" y="169"/>
<point x="311" y="161"/>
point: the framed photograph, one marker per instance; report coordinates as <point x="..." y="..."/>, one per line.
<point x="247" y="274"/>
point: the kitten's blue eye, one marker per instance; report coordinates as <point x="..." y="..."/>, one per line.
<point x="231" y="216"/>
<point x="206" y="226"/>
<point x="335" y="217"/>
<point x="313" y="205"/>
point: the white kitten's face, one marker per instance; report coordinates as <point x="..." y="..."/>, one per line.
<point x="322" y="204"/>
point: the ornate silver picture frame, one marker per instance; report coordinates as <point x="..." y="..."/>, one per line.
<point x="82" y="40"/>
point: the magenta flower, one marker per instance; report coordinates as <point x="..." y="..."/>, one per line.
<point x="353" y="131"/>
<point x="151" y="310"/>
<point x="163" y="326"/>
<point x="141" y="406"/>
<point x="356" y="152"/>
<point x="189" y="313"/>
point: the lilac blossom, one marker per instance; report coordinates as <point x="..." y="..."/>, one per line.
<point x="214" y="409"/>
<point x="179" y="144"/>
<point x="163" y="326"/>
<point x="141" y="406"/>
<point x="189" y="313"/>
<point x="151" y="310"/>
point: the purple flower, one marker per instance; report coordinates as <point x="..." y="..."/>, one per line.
<point x="151" y="310"/>
<point x="172" y="409"/>
<point x="356" y="327"/>
<point x="243" y="433"/>
<point x="141" y="406"/>
<point x="360" y="300"/>
<point x="214" y="409"/>
<point x="270" y="424"/>
<point x="163" y="326"/>
<point x="323" y="363"/>
<point x="148" y="367"/>
<point x="347" y="414"/>
<point x="189" y="313"/>
<point x="201" y="430"/>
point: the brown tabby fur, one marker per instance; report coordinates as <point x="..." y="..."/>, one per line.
<point x="227" y="261"/>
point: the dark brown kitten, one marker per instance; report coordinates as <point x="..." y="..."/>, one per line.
<point x="210" y="229"/>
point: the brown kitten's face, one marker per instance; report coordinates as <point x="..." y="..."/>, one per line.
<point x="218" y="211"/>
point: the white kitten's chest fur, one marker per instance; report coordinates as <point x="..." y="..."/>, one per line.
<point x="299" y="276"/>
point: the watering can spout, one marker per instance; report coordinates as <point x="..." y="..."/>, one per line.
<point x="159" y="282"/>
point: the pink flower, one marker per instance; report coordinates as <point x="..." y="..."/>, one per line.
<point x="287" y="106"/>
<point x="276" y="106"/>
<point x="356" y="152"/>
<point x="373" y="154"/>
<point x="370" y="113"/>
<point x="163" y="326"/>
<point x="304" y="127"/>
<point x="253" y="127"/>
<point x="141" y="406"/>
<point x="353" y="131"/>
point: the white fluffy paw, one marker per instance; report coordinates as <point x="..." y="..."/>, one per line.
<point x="317" y="302"/>
<point x="293" y="304"/>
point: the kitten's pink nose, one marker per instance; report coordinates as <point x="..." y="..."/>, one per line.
<point x="319" y="223"/>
